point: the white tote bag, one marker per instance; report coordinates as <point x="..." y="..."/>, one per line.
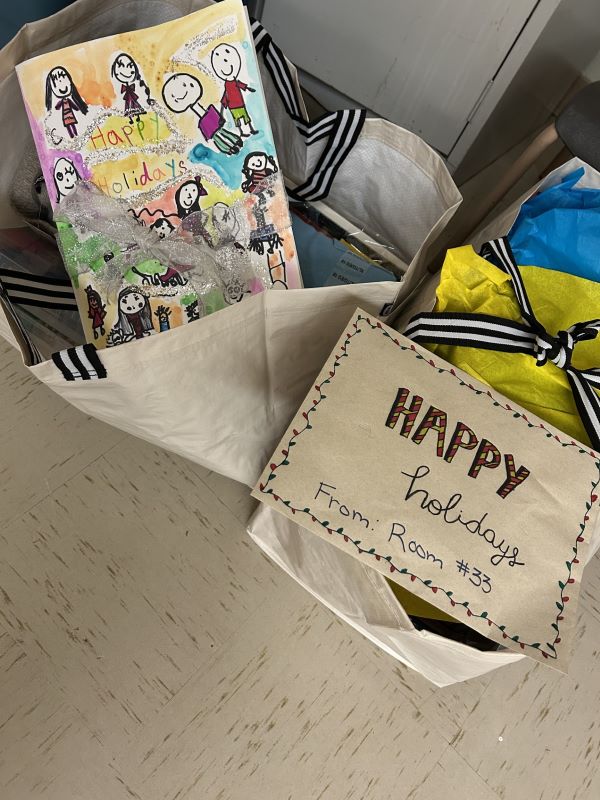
<point x="221" y="391"/>
<point x="360" y="595"/>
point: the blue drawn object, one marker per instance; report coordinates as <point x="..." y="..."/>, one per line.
<point x="163" y="313"/>
<point x="559" y="229"/>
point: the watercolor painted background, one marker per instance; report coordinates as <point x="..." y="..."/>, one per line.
<point x="173" y="120"/>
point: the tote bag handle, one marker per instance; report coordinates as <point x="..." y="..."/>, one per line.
<point x="20" y="289"/>
<point x="341" y="128"/>
<point x="23" y="289"/>
<point x="31" y="355"/>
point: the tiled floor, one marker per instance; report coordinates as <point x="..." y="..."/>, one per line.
<point x="148" y="650"/>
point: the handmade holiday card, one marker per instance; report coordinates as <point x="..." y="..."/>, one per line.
<point x="442" y="485"/>
<point x="171" y="119"/>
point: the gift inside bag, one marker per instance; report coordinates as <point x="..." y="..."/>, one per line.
<point x="230" y="379"/>
<point x="552" y="238"/>
<point x="558" y="227"/>
<point x="469" y="284"/>
<point x="522" y="315"/>
<point x="537" y="285"/>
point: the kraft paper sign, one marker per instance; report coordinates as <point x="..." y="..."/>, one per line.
<point x="447" y="488"/>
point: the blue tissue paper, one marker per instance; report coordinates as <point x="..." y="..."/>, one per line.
<point x="559" y="228"/>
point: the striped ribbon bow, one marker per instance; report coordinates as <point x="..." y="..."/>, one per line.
<point x="529" y="337"/>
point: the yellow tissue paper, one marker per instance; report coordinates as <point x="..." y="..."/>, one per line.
<point x="470" y="284"/>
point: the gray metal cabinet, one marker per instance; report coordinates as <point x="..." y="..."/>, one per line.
<point x="437" y="67"/>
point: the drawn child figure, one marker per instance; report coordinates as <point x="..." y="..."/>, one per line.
<point x="60" y="84"/>
<point x="265" y="235"/>
<point x="135" y="315"/>
<point x="163" y="313"/>
<point x="187" y="197"/>
<point x="257" y="168"/>
<point x="127" y="73"/>
<point x="227" y="64"/>
<point x="96" y="311"/>
<point x="65" y="177"/>
<point x="163" y="227"/>
<point x="235" y="291"/>
<point x="182" y="92"/>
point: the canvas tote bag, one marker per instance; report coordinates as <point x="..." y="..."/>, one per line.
<point x="358" y="594"/>
<point x="221" y="391"/>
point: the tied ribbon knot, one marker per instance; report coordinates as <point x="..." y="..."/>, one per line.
<point x="528" y="336"/>
<point x="559" y="349"/>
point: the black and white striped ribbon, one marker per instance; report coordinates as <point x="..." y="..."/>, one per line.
<point x="279" y="69"/>
<point x="31" y="354"/>
<point x="342" y="138"/>
<point x="32" y="290"/>
<point x="529" y="336"/>
<point x="341" y="128"/>
<point x="80" y="363"/>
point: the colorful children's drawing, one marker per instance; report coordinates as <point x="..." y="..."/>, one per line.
<point x="192" y="311"/>
<point x="257" y="167"/>
<point x="163" y="313"/>
<point x="170" y="278"/>
<point x="135" y="317"/>
<point x="163" y="227"/>
<point x="182" y="92"/>
<point x="171" y="119"/>
<point x="226" y="224"/>
<point x="187" y="197"/>
<point x="277" y="268"/>
<point x="235" y="291"/>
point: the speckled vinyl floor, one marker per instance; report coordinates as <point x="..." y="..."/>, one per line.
<point x="149" y="651"/>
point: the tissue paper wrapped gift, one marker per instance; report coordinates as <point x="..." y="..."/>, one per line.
<point x="471" y="285"/>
